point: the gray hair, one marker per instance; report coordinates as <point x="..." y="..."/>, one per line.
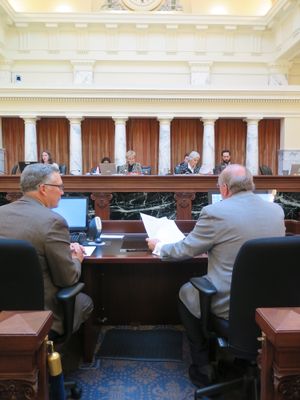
<point x="237" y="178"/>
<point x="194" y="154"/>
<point x="35" y="174"/>
<point x="130" y="153"/>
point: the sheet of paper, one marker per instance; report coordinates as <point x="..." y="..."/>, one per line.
<point x="88" y="250"/>
<point x="163" y="229"/>
<point x="152" y="224"/>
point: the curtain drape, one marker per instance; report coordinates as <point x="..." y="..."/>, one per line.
<point x="142" y="136"/>
<point x="186" y="136"/>
<point x="269" y="143"/>
<point x="98" y="141"/>
<point x="13" y="141"/>
<point x="53" y="135"/>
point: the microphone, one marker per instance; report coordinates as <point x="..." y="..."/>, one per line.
<point x="95" y="229"/>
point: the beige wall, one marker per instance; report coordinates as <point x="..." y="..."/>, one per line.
<point x="290" y="134"/>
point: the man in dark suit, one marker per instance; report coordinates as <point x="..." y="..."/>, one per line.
<point x="226" y="160"/>
<point x="220" y="231"/>
<point x="31" y="218"/>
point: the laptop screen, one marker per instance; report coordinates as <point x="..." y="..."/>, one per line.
<point x="107" y="168"/>
<point x="268" y="195"/>
<point x="295" y="169"/>
<point x="75" y="212"/>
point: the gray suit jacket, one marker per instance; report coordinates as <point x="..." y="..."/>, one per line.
<point x="48" y="232"/>
<point x="220" y="231"/>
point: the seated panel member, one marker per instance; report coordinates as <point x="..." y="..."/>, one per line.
<point x="31" y="218"/>
<point x="96" y="170"/>
<point x="46" y="158"/>
<point x="220" y="231"/>
<point x="191" y="167"/>
<point x="131" y="167"/>
<point x="226" y="160"/>
<point x="185" y="161"/>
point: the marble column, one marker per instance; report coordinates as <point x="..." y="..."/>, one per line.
<point x="208" y="151"/>
<point x="120" y="140"/>
<point x="164" y="154"/>
<point x="252" y="144"/>
<point x="30" y="145"/>
<point x="75" y="146"/>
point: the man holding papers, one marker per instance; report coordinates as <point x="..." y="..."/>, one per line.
<point x="220" y="231"/>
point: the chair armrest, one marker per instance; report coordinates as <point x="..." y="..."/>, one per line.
<point x="206" y="291"/>
<point x="66" y="294"/>
<point x="66" y="297"/>
<point x="203" y="285"/>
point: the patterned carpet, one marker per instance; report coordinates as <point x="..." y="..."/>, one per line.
<point x="108" y="379"/>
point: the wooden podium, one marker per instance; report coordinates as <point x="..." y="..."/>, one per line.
<point x="280" y="355"/>
<point x="23" y="354"/>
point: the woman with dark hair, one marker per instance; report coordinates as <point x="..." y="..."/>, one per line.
<point x="46" y="158"/>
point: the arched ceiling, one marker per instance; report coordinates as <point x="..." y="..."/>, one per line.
<point x="204" y="7"/>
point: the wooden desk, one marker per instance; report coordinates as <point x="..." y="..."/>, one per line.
<point x="280" y="357"/>
<point x="134" y="288"/>
<point x="23" y="364"/>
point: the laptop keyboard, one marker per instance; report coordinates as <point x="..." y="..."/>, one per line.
<point x="79" y="237"/>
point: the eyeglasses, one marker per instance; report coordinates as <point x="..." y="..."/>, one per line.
<point x="60" y="187"/>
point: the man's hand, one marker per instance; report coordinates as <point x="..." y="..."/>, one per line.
<point x="77" y="251"/>
<point x="152" y="243"/>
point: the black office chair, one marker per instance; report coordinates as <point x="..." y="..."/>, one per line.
<point x="146" y="170"/>
<point x="266" y="273"/>
<point x="265" y="170"/>
<point x="14" y="169"/>
<point x="177" y="170"/>
<point x="22" y="288"/>
<point x="62" y="169"/>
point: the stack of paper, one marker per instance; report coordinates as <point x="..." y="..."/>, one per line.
<point x="163" y="229"/>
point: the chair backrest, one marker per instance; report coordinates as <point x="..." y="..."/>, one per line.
<point x="62" y="169"/>
<point x="266" y="273"/>
<point x="21" y="279"/>
<point x="177" y="169"/>
<point x="265" y="170"/>
<point x="146" y="170"/>
<point x="14" y="169"/>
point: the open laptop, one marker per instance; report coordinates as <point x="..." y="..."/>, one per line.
<point x="23" y="164"/>
<point x="108" y="168"/>
<point x="75" y="212"/>
<point x="295" y="169"/>
<point x="267" y="195"/>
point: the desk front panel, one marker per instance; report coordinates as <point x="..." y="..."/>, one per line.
<point x="137" y="289"/>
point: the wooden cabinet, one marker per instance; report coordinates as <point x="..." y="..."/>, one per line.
<point x="280" y="354"/>
<point x="23" y="355"/>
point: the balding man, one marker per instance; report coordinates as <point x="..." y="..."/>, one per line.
<point x="220" y="231"/>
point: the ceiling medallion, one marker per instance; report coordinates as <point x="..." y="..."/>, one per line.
<point x="142" y="5"/>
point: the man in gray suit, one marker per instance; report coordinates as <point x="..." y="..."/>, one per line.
<point x="31" y="218"/>
<point x="220" y="231"/>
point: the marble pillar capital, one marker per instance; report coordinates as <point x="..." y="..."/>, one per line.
<point x="253" y="120"/>
<point x="120" y="119"/>
<point x="165" y="120"/>
<point x="209" y="120"/>
<point x="29" y="119"/>
<point x="75" y="119"/>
